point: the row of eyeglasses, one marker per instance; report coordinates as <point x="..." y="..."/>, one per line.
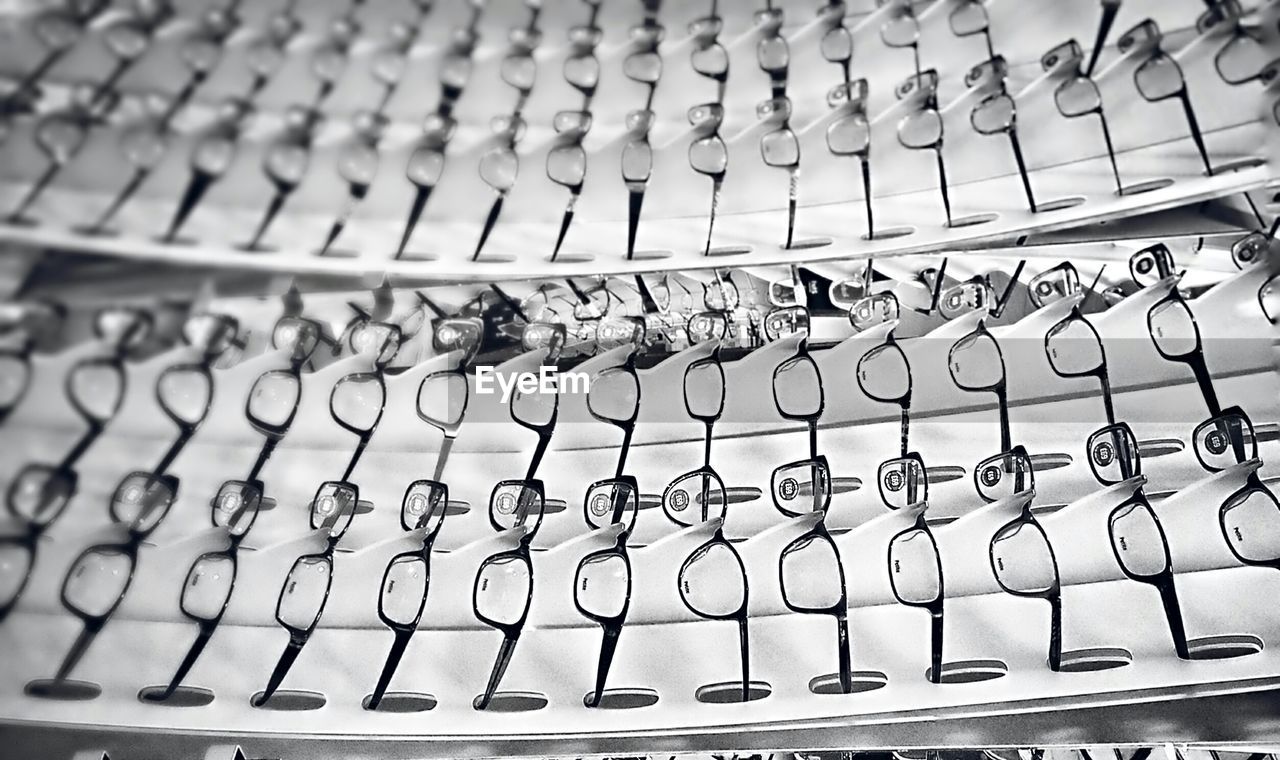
<point x="1245" y="56"/>
<point x="712" y="580"/>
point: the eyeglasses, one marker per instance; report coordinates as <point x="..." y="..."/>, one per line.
<point x="442" y="403"/>
<point x="922" y="129"/>
<point x="809" y="568"/>
<point x="1250" y="517"/>
<point x="996" y="115"/>
<point x="58" y="30"/>
<point x="903" y="30"/>
<point x="1142" y="551"/>
<point x="836" y="44"/>
<point x="706" y="326"/>
<point x="127" y="38"/>
<point x="1078" y="95"/>
<point x="356" y="404"/>
<point x="407" y="579"/>
<point x="713" y="584"/>
<point x="1176" y="336"/>
<point x="1075" y="349"/>
<point x="1243" y="58"/>
<point x="602" y="583"/>
<point x="915" y="564"/>
<point x="780" y="149"/>
<point x="424" y="169"/>
<point x="1053" y="285"/>
<point x="637" y="166"/>
<point x="708" y="155"/>
<point x="567" y="164"/>
<point x="644" y="64"/>
<point x="285" y="164"/>
<point x="60" y="136"/>
<point x="305" y="592"/>
<point x="873" y="310"/>
<point x="100" y="577"/>
<point x="1159" y="77"/>
<point x="614" y="397"/>
<point x="503" y="589"/>
<point x="969" y="18"/>
<point x="710" y="58"/>
<point x="330" y="59"/>
<point x="702" y="489"/>
<point x="850" y="134"/>
<point x="357" y="165"/>
<point x="974" y="294"/>
<point x="499" y="169"/>
<point x="206" y="592"/>
<point x="1022" y="558"/>
<point x="211" y="157"/>
<point x="884" y="374"/>
<point x="185" y="392"/>
<point x="1113" y="454"/>
<point x="201" y="51"/>
<point x="389" y="61"/>
<point x="1151" y="265"/>
<point x="977" y="365"/>
<point x="797" y="387"/>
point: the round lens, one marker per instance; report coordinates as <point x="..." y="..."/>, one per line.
<point x="1173" y="329"/>
<point x="208" y="586"/>
<point x="711" y="61"/>
<point x="603" y="585"/>
<point x="404" y="590"/>
<point x="287" y="162"/>
<point x="645" y="68"/>
<point x="519" y="71"/>
<point x="39" y="493"/>
<point x="922" y="129"/>
<point x="969" y="18"/>
<point x="185" y="393"/>
<point x="503" y="589"/>
<point x="713" y="581"/>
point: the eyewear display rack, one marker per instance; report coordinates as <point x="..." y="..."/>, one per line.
<point x="974" y="129"/>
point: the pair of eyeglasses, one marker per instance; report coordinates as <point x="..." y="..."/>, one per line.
<point x="850" y="135"/>
<point x="1022" y="559"/>
<point x="58" y="31"/>
<point x="708" y="155"/>
<point x="977" y="365"/>
<point x="582" y="67"/>
<point x="211" y="157"/>
<point x="969" y="18"/>
<point x="1176" y="335"/>
<point x="127" y="38"/>
<point x="780" y="149"/>
<point x="330" y="59"/>
<point x="797" y="382"/>
<point x="357" y="165"/>
<point x="426" y="166"/>
<point x="922" y="129"/>
<point x="407" y="579"/>
<point x="357" y="401"/>
<point x="185" y="391"/>
<point x="884" y="374"/>
<point x="265" y="53"/>
<point x="1137" y="538"/>
<point x="1159" y="77"/>
<point x="499" y="168"/>
<point x="709" y="57"/>
<point x="643" y="64"/>
<point x="902" y="30"/>
<point x="211" y="579"/>
<point x="305" y="592"/>
<point x="201" y="51"/>
<point x="567" y="165"/>
<point x="836" y="44"/>
<point x="61" y="136"/>
<point x="391" y="58"/>
<point x="914" y="562"/>
<point x="997" y="114"/>
<point x="1054" y="284"/>
<point x="285" y="165"/>
<point x="1244" y="57"/>
<point x="773" y="54"/>
<point x="1074" y="349"/>
<point x="503" y="587"/>
<point x="1249" y="517"/>
<point x="101" y="575"/>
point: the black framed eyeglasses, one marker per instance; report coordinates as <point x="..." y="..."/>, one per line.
<point x="1244" y="57"/>
<point x="602" y="583"/>
<point x="1077" y="95"/>
<point x="426" y="163"/>
<point x="914" y="562"/>
<point x="1053" y="284"/>
<point x="1113" y="454"/>
<point x="1176" y="335"/>
<point x="211" y="579"/>
<point x="810" y="573"/>
<point x="407" y="579"/>
<point x="637" y="166"/>
<point x="713" y="585"/>
<point x="442" y="403"/>
<point x="503" y="587"/>
<point x="614" y="397"/>
<point x="977" y="366"/>
<point x="1074" y="349"/>
<point x="1249" y="517"/>
<point x="708" y="155"/>
<point x="100" y="577"/>
<point x="884" y="374"/>
<point x="903" y="31"/>
<point x="1159" y="77"/>
<point x="997" y="114"/>
<point x="922" y="129"/>
<point x="356" y="404"/>
<point x="797" y="389"/>
<point x="849" y="134"/>
<point x="285" y="165"/>
<point x="305" y="592"/>
<point x="1142" y="551"/>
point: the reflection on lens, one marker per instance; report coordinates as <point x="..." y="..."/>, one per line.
<point x="1113" y="454"/>
<point x="185" y="393"/>
<point x="801" y="487"/>
<point x="1173" y="328"/>
<point x="884" y="374"/>
<point x="913" y="567"/>
<point x="615" y="395"/>
<point x="903" y="483"/>
<point x="1023" y="560"/>
<point x="713" y="581"/>
<point x="502" y="590"/>
<point x="404" y="590"/>
<point x="208" y="586"/>
<point x="15" y="563"/>
<point x="274" y="399"/>
<point x="1138" y="542"/>
<point x="1077" y="97"/>
<point x="98" y="389"/>
<point x="97" y="581"/>
<point x="305" y="590"/>
<point x="1074" y="348"/>
<point x="811" y="574"/>
<point x="704" y="389"/>
<point x="442" y="398"/>
<point x="141" y="500"/>
<point x="333" y="507"/>
<point x="1251" y="524"/>
<point x="797" y="388"/>
<point x="357" y="401"/>
<point x="603" y="585"/>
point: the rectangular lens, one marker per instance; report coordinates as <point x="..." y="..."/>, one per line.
<point x="811" y="574"/>
<point x="97" y="581"/>
<point x="305" y="591"/>
<point x="208" y="586"/>
<point x="802" y="487"/>
<point x="903" y="483"/>
<point x="1023" y="561"/>
<point x="1113" y="454"/>
<point x="1251" y="525"/>
<point x="333" y="507"/>
<point x="713" y="581"/>
<point x="141" y="500"/>
<point x="603" y="585"/>
<point x="914" y="569"/>
<point x="39" y="493"/>
<point x="404" y="590"/>
<point x="236" y="506"/>
<point x="503" y="589"/>
<point x="273" y="400"/>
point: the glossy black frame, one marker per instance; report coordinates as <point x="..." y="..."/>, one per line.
<point x="1099" y="372"/>
<point x="936" y="606"/>
<point x="1000" y="389"/>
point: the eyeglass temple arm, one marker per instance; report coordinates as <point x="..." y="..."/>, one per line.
<point x="608" y="645"/>
<point x="1003" y="300"/>
<point x="1006" y="436"/>
<point x="1205" y="380"/>
<point x="503" y="659"/>
<point x="1173" y="612"/>
<point x="1055" y="632"/>
<point x="935" y="640"/>
<point x="184" y="667"/>
<point x="842" y="650"/>
<point x="906" y="426"/>
<point x="78" y="649"/>
<point x="1110" y="8"/>
<point x="81" y="446"/>
<point x="744" y="647"/>
<point x="287" y="658"/>
<point x="398" y="646"/>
